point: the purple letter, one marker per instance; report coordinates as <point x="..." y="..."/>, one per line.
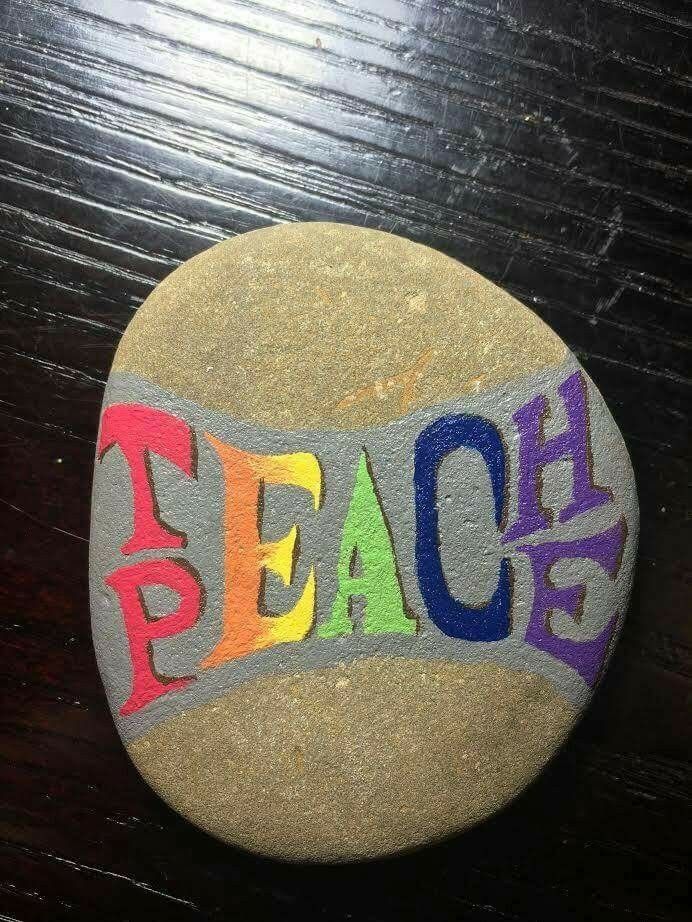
<point x="535" y="452"/>
<point x="585" y="656"/>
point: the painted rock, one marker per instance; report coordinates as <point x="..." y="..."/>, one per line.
<point x="362" y="541"/>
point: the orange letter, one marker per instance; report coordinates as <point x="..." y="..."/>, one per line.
<point x="246" y="557"/>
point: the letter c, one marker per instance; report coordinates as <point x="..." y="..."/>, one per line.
<point x="492" y="622"/>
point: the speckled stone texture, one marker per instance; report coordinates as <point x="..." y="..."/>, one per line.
<point x="330" y="328"/>
<point x="329" y="325"/>
<point x="362" y="759"/>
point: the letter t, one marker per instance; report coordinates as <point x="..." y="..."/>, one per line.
<point x="138" y="430"/>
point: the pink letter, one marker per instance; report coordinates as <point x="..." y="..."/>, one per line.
<point x="139" y="430"/>
<point x="141" y="629"/>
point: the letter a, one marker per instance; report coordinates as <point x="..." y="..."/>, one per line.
<point x="366" y="536"/>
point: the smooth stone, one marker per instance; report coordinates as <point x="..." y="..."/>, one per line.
<point x="410" y="683"/>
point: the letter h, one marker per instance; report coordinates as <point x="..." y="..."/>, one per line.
<point x="535" y="451"/>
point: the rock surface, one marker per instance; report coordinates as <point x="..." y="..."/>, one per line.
<point x="362" y="541"/>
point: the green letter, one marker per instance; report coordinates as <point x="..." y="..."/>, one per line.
<point x="366" y="535"/>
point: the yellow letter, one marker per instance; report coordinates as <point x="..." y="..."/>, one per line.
<point x="246" y="558"/>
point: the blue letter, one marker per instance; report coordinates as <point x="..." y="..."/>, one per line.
<point x="451" y="616"/>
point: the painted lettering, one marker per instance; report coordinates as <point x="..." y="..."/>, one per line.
<point x="141" y="629"/>
<point x="453" y="617"/>
<point x="586" y="656"/>
<point x="535" y="452"/>
<point x="367" y="568"/>
<point x="138" y="430"/>
<point x="367" y="544"/>
<point x="244" y="628"/>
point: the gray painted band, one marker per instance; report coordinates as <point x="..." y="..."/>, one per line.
<point x="470" y="545"/>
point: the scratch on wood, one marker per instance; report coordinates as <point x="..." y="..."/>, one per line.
<point x="88" y="868"/>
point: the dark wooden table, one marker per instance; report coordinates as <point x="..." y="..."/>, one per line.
<point x="543" y="142"/>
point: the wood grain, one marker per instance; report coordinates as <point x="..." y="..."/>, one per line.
<point x="546" y="143"/>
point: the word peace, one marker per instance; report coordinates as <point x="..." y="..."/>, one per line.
<point x="140" y="430"/>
